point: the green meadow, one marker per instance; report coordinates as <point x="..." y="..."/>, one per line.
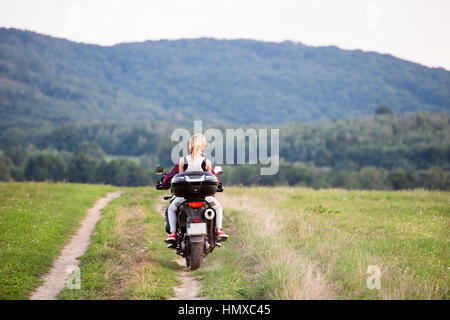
<point x="299" y="243"/>
<point x="36" y="221"/>
<point x="127" y="257"/>
<point x="285" y="243"/>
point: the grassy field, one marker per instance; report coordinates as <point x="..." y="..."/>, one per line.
<point x="127" y="258"/>
<point x="296" y="243"/>
<point x="285" y="243"/>
<point x="36" y="221"/>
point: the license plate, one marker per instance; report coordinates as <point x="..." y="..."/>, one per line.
<point x="196" y="229"/>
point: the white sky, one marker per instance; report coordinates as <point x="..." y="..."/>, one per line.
<point x="416" y="30"/>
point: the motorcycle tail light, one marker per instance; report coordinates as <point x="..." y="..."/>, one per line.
<point x="195" y="204"/>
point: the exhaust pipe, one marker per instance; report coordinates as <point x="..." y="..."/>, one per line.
<point x="210" y="214"/>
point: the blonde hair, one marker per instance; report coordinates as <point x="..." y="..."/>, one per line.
<point x="197" y="144"/>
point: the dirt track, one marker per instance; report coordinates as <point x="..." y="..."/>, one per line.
<point x="56" y="279"/>
<point x="189" y="288"/>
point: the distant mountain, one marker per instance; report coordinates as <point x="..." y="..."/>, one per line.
<point x="46" y="81"/>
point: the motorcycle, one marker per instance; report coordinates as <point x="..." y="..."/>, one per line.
<point x="196" y="234"/>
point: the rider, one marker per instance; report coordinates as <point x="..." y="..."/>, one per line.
<point x="195" y="162"/>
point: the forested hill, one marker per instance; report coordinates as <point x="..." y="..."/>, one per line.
<point x="46" y="81"/>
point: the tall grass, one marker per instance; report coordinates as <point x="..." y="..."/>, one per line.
<point x="127" y="257"/>
<point x="279" y="270"/>
<point x="36" y="221"/>
<point x="299" y="243"/>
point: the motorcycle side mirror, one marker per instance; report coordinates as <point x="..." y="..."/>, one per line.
<point x="160" y="170"/>
<point x="218" y="170"/>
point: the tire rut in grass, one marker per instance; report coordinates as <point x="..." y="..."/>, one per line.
<point x="56" y="279"/>
<point x="189" y="288"/>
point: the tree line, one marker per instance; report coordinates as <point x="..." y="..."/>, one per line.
<point x="368" y="178"/>
<point x="383" y="151"/>
<point x="82" y="168"/>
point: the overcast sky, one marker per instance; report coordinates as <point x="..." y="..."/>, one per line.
<point x="416" y="30"/>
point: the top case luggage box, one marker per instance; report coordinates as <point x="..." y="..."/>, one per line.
<point x="194" y="184"/>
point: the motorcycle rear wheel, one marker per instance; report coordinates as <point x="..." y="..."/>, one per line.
<point x="196" y="256"/>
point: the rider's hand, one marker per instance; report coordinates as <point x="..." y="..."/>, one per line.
<point x="159" y="186"/>
<point x="220" y="187"/>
